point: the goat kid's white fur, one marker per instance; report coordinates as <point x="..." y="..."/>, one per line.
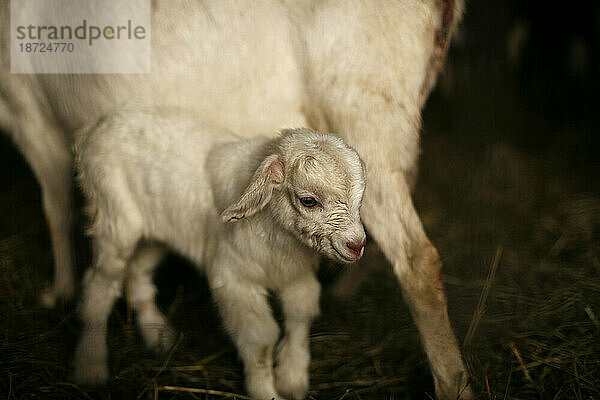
<point x="157" y="175"/>
<point x="362" y="69"/>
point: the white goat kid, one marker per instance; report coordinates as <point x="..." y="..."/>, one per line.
<point x="154" y="174"/>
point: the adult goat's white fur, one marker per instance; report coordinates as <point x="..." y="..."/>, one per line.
<point x="155" y="174"/>
<point x="362" y="69"/>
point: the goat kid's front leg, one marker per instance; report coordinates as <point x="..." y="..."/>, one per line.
<point x="249" y="320"/>
<point x="102" y="286"/>
<point x="300" y="302"/>
<point x="390" y="217"/>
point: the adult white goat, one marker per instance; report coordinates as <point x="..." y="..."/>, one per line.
<point x="155" y="174"/>
<point x="362" y="69"/>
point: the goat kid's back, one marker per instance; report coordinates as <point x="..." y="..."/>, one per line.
<point x="150" y="163"/>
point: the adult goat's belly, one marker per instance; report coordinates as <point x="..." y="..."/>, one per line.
<point x="235" y="69"/>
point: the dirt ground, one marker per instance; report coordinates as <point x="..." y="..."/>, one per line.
<point x="509" y="192"/>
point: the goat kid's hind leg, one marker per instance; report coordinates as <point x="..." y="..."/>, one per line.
<point x="102" y="286"/>
<point x="390" y="217"/>
<point x="300" y="302"/>
<point x="249" y="320"/>
<point x="152" y="322"/>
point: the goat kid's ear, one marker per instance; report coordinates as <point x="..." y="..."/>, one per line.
<point x="268" y="176"/>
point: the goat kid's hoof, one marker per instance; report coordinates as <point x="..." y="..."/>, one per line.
<point x="294" y="386"/>
<point x="165" y="341"/>
<point x="264" y="396"/>
<point x="94" y="374"/>
<point x="291" y="372"/>
<point x="262" y="391"/>
<point x="160" y="340"/>
<point x="91" y="366"/>
<point x="50" y="296"/>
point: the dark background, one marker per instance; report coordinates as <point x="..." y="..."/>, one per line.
<point x="509" y="192"/>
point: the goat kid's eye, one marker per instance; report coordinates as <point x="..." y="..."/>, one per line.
<point x="308" y="202"/>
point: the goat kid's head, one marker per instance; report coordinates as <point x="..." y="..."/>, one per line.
<point x="313" y="184"/>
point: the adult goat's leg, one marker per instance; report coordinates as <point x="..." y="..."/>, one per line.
<point x="391" y="219"/>
<point x="49" y="156"/>
<point x="56" y="197"/>
<point x="368" y="85"/>
<point x="43" y="143"/>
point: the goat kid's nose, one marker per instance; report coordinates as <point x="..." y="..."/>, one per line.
<point x="356" y="247"/>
